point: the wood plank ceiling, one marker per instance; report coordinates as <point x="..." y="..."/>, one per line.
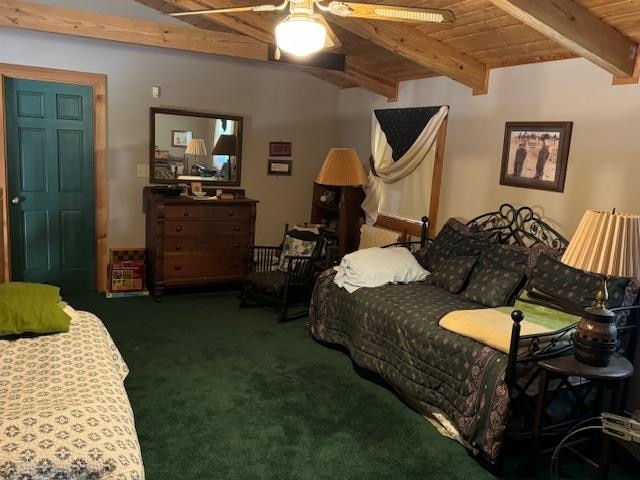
<point x="486" y="34"/>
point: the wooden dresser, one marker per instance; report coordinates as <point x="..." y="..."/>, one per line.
<point x="196" y="242"/>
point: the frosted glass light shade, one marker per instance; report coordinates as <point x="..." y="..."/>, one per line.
<point x="300" y="35"/>
<point x="342" y="167"/>
<point x="607" y="244"/>
<point x="196" y="147"/>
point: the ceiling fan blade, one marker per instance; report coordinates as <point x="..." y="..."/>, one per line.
<point x="255" y="8"/>
<point x="332" y="40"/>
<point x="325" y="60"/>
<point x="373" y="11"/>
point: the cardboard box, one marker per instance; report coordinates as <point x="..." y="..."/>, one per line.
<point x="126" y="270"/>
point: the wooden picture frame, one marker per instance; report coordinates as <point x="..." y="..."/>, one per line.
<point x="535" y="154"/>
<point x="279" y="167"/>
<point x="180" y="138"/>
<point x="279" y="149"/>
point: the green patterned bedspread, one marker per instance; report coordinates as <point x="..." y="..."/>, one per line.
<point x="393" y="330"/>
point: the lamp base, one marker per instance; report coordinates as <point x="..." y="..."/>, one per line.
<point x="596" y="338"/>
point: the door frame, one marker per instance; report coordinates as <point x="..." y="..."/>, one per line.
<point x="99" y="84"/>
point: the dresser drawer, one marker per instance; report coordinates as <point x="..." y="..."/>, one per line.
<point x="211" y="210"/>
<point x="204" y="227"/>
<point x="227" y="245"/>
<point x="205" y="267"/>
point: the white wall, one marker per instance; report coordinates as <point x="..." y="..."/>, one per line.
<point x="602" y="170"/>
<point x="277" y="103"/>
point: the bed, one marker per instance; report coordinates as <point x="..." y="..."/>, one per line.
<point x="469" y="387"/>
<point x="64" y="412"/>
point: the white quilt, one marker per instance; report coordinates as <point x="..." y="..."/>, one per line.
<point x="64" y="413"/>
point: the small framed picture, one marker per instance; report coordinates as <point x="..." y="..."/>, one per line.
<point x="196" y="188"/>
<point x="535" y="154"/>
<point x="279" y="167"/>
<point x="180" y="138"/>
<point x="279" y="149"/>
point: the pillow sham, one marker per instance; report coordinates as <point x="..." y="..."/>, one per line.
<point x="492" y="285"/>
<point x="374" y="267"/>
<point x="31" y="308"/>
<point x="453" y="274"/>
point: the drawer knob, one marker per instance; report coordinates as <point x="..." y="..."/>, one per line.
<point x="177" y="268"/>
<point x="186" y="212"/>
<point x="178" y="247"/>
<point x="236" y="265"/>
<point x="237" y="245"/>
<point x="231" y="213"/>
<point x="178" y="228"/>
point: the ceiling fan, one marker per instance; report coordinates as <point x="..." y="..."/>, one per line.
<point x="303" y="31"/>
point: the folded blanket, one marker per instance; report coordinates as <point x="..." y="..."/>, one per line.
<point x="492" y="326"/>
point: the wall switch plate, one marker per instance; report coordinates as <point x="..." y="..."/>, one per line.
<point x="155" y="91"/>
<point x="142" y="170"/>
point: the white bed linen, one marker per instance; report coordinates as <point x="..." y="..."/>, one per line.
<point x="64" y="412"/>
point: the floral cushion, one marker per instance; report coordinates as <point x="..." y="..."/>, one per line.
<point x="299" y="243"/>
<point x="453" y="274"/>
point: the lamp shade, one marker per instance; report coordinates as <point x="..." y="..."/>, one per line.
<point x="196" y="147"/>
<point x="226" y="145"/>
<point x="300" y="35"/>
<point x="606" y="244"/>
<point x="342" y="167"/>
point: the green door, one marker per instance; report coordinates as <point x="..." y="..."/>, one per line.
<point x="51" y="188"/>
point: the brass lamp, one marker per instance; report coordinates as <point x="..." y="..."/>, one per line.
<point x="342" y="168"/>
<point x="607" y="244"/>
<point x="226" y="145"/>
<point x="196" y="148"/>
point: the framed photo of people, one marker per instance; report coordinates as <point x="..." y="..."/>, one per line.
<point x="534" y="154"/>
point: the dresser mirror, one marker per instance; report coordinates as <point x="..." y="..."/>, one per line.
<point x="188" y="146"/>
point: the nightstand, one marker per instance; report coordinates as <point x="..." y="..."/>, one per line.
<point x="611" y="378"/>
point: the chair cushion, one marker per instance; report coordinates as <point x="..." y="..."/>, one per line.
<point x="267" y="282"/>
<point x="298" y="242"/>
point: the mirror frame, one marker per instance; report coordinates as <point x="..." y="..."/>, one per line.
<point x="192" y="113"/>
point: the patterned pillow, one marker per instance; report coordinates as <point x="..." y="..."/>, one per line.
<point x="508" y="257"/>
<point x="492" y="285"/>
<point x="455" y="239"/>
<point x="554" y="278"/>
<point x="453" y="273"/>
<point x="297" y="242"/>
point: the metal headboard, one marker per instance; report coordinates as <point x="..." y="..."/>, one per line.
<point x="521" y="226"/>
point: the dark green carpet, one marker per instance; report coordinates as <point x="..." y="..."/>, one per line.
<point x="224" y="393"/>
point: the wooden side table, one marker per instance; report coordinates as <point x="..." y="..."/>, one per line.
<point x="612" y="377"/>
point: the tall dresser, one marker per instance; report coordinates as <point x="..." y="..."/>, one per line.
<point x="196" y="242"/>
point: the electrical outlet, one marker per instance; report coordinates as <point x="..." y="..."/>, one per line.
<point x="142" y="170"/>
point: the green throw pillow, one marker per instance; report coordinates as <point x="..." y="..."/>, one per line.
<point x="492" y="285"/>
<point x="452" y="274"/>
<point x="31" y="308"/>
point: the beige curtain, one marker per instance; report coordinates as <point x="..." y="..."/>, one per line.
<point x="402" y="188"/>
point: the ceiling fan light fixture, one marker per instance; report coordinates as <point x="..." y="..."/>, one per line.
<point x="300" y="35"/>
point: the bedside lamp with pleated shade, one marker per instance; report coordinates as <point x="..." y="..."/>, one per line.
<point x="196" y="148"/>
<point x="343" y="168"/>
<point x="607" y="244"/>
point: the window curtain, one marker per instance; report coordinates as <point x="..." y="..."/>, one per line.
<point x="401" y="186"/>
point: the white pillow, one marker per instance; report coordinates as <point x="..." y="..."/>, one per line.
<point x="374" y="267"/>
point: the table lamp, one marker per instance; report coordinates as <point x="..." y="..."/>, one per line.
<point x="226" y="145"/>
<point x="196" y="148"/>
<point x="607" y="244"/>
<point x="342" y="167"/>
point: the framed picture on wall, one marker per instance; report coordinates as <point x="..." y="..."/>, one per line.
<point x="279" y="149"/>
<point x="279" y="167"/>
<point x="180" y="138"/>
<point x="534" y="154"/>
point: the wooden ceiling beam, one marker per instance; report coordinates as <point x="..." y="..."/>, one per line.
<point x="81" y="23"/>
<point x="577" y="29"/>
<point x="255" y="26"/>
<point x="410" y="43"/>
